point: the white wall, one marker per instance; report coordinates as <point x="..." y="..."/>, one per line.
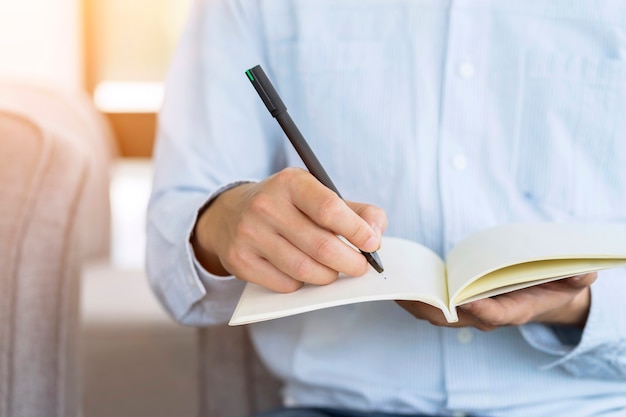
<point x="41" y="40"/>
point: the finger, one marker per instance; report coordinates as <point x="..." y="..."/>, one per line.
<point x="435" y="316"/>
<point x="374" y="216"/>
<point x="297" y="264"/>
<point x="328" y="210"/>
<point x="497" y="311"/>
<point x="246" y="254"/>
<point x="529" y="304"/>
<point x="426" y="312"/>
<point x="580" y="281"/>
<point x="255" y="269"/>
<point x="518" y="307"/>
<point x="282" y="271"/>
<point x="330" y="251"/>
<point x="320" y="245"/>
<point x="272" y="217"/>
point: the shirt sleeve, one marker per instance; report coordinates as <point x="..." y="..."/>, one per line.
<point x="212" y="133"/>
<point x="598" y="350"/>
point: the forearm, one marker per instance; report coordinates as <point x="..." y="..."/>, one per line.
<point x="186" y="290"/>
<point x="206" y="120"/>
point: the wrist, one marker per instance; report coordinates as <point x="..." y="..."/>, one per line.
<point x="203" y="248"/>
<point x="211" y="228"/>
<point x="206" y="233"/>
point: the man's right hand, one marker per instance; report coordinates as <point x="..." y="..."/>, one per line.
<point x="282" y="232"/>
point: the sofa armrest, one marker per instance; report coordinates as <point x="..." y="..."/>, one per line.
<point x="72" y="116"/>
<point x="42" y="182"/>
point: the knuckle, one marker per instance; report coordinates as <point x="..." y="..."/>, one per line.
<point x="324" y="248"/>
<point x="244" y="230"/>
<point x="291" y="172"/>
<point x="306" y="269"/>
<point x="287" y="286"/>
<point x="232" y="255"/>
<point x="234" y="259"/>
<point x="246" y="233"/>
<point x="287" y="175"/>
<point x="329" y="209"/>
<point x="359" y="232"/>
<point x="375" y="212"/>
<point x="261" y="205"/>
<point x="303" y="269"/>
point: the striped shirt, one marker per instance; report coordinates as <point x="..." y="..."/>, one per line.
<point x="453" y="116"/>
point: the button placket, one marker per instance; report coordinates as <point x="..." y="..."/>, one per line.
<point x="466" y="71"/>
<point x="464" y="336"/>
<point x="459" y="162"/>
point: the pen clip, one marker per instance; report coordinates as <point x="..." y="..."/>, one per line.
<point x="266" y="90"/>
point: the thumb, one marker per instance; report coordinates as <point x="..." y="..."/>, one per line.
<point x="581" y="281"/>
<point x="374" y="216"/>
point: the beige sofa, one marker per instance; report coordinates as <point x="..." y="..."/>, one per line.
<point x="55" y="156"/>
<point x="54" y="153"/>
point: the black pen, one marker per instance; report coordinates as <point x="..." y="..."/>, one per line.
<point x="277" y="108"/>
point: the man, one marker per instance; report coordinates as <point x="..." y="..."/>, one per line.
<point x="435" y="119"/>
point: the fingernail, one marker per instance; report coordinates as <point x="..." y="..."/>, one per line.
<point x="372" y="244"/>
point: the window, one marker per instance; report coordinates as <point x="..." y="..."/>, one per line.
<point x="128" y="48"/>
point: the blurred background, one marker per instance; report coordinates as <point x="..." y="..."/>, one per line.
<point x="118" y="51"/>
<point x="134" y="360"/>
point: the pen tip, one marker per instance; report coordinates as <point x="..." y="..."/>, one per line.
<point x="375" y="261"/>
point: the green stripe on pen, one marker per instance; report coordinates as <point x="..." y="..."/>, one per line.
<point x="250" y="75"/>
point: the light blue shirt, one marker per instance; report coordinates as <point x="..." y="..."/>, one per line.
<point x="453" y="116"/>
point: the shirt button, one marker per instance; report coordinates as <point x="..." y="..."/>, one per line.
<point x="459" y="162"/>
<point x="458" y="414"/>
<point x="464" y="336"/>
<point x="466" y="71"/>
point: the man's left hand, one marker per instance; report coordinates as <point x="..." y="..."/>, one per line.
<point x="563" y="302"/>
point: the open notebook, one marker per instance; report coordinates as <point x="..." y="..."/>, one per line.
<point x="488" y="263"/>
